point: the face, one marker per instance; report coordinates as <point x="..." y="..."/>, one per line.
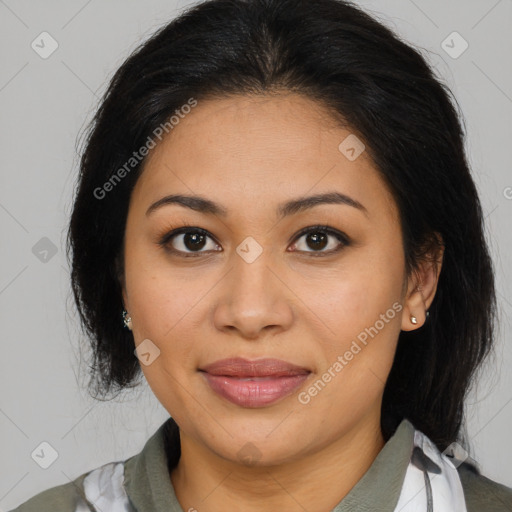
<point x="317" y="286"/>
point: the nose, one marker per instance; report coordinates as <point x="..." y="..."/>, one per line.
<point x="253" y="299"/>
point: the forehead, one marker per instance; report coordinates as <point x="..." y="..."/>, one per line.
<point x="244" y="148"/>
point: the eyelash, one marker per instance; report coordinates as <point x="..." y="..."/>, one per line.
<point x="187" y="228"/>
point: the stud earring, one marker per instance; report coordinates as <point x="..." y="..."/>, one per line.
<point x="127" y="320"/>
<point x="414" y="320"/>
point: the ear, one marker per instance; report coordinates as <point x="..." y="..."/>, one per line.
<point x="422" y="285"/>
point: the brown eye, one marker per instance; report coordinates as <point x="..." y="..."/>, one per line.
<point x="318" y="238"/>
<point x="317" y="241"/>
<point x="188" y="241"/>
<point x="194" y="241"/>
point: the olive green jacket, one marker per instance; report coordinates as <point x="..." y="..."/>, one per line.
<point x="147" y="487"/>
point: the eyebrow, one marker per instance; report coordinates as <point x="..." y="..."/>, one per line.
<point x="203" y="205"/>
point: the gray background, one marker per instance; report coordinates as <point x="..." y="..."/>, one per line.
<point x="45" y="104"/>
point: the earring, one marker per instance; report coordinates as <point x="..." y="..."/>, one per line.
<point x="127" y="320"/>
<point x="414" y="320"/>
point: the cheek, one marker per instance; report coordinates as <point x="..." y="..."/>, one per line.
<point x="361" y="305"/>
<point x="163" y="308"/>
<point x="356" y="362"/>
<point x="353" y="294"/>
<point x="160" y="296"/>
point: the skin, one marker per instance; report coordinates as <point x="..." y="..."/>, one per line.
<point x="251" y="154"/>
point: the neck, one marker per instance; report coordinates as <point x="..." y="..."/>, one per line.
<point x="318" y="482"/>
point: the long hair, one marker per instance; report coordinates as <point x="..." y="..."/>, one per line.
<point x="334" y="53"/>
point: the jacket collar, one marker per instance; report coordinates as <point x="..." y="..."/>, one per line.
<point x="146" y="475"/>
<point x="379" y="488"/>
<point x="148" y="484"/>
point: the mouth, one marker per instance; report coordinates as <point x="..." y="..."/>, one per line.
<point x="255" y="383"/>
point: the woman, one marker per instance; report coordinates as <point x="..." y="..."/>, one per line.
<point x="275" y="201"/>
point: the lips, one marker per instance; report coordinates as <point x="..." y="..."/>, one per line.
<point x="243" y="368"/>
<point x="254" y="383"/>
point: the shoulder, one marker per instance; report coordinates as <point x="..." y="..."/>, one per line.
<point x="481" y="493"/>
<point x="106" y="487"/>
<point x="101" y="488"/>
<point x="65" y="497"/>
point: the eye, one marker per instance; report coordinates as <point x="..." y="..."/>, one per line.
<point x="187" y="239"/>
<point x="317" y="238"/>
